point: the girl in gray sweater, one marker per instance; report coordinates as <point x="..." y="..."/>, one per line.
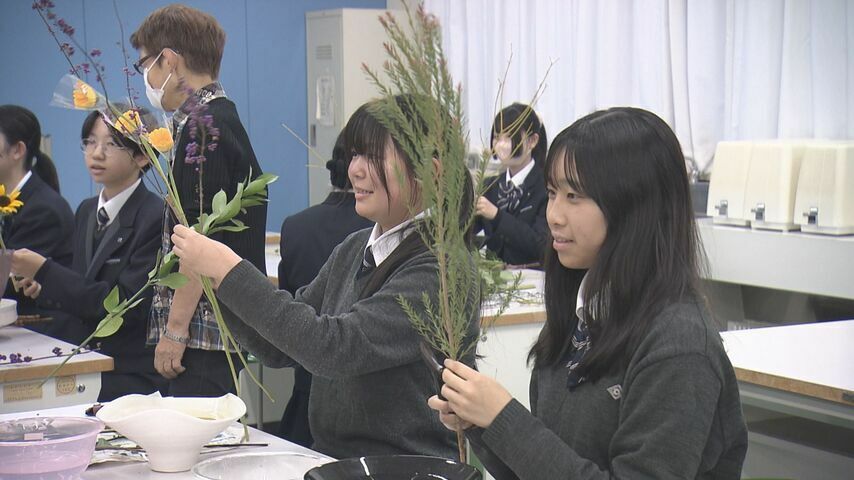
<point x="347" y="327"/>
<point x="630" y="378"/>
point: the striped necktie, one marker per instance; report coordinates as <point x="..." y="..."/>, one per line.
<point x="580" y="346"/>
<point x="103" y="219"/>
<point x="509" y="195"/>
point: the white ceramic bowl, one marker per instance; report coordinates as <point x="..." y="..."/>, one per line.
<point x="171" y="430"/>
<point x="8" y="311"/>
<point x="259" y="466"/>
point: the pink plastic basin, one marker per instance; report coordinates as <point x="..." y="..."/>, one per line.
<point x="47" y="448"/>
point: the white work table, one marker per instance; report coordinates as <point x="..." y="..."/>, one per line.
<point x="140" y="470"/>
<point x="797" y="390"/>
<point x="79" y="381"/>
<point x="805" y="370"/>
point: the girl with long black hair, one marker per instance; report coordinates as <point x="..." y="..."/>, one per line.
<point x="630" y="378"/>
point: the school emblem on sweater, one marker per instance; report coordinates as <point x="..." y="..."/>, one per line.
<point x="616" y="391"/>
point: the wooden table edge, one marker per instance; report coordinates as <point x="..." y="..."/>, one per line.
<point x="521" y="318"/>
<point x="824" y="392"/>
<point x="35" y="372"/>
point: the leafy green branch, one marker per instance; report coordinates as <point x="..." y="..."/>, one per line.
<point x="223" y="218"/>
<point x="161" y="274"/>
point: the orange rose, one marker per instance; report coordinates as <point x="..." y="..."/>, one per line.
<point x="84" y="95"/>
<point x="161" y="139"/>
<point x="129" y="123"/>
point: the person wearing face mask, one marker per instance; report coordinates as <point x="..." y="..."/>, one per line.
<point x="45" y="222"/>
<point x="180" y="51"/>
<point x="512" y="211"/>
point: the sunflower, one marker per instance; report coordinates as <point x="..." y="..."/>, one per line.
<point x="9" y="204"/>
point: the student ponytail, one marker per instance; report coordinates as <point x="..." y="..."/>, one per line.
<point x="541" y="149"/>
<point x="43" y="166"/>
<point x="18" y="124"/>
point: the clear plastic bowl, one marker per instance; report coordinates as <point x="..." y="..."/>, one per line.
<point x="259" y="466"/>
<point x="47" y="448"/>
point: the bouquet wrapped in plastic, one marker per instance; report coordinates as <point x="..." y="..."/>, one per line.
<point x="134" y="123"/>
<point x="71" y="92"/>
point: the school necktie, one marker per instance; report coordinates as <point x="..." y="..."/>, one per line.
<point x="103" y="219"/>
<point x="509" y="195"/>
<point x="580" y="346"/>
<point x="368" y="264"/>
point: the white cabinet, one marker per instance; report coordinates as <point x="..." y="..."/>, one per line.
<point x="338" y="42"/>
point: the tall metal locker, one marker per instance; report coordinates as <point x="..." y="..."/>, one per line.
<point x="338" y="42"/>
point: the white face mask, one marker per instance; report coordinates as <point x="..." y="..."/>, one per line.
<point x="155" y="95"/>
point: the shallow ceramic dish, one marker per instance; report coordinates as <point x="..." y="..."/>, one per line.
<point x="259" y="466"/>
<point x="394" y="467"/>
<point x="47" y="448"/>
<point x="171" y="430"/>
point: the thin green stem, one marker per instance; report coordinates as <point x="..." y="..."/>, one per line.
<point x="225" y="333"/>
<point x="110" y="315"/>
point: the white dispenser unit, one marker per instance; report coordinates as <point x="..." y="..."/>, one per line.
<point x="728" y="183"/>
<point x="769" y="198"/>
<point x="825" y="197"/>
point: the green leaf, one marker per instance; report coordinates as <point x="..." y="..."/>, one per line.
<point x="135" y="303"/>
<point x="202" y="219"/>
<point x="174" y="280"/>
<point x="233" y="206"/>
<point x="170" y="260"/>
<point x="256" y="186"/>
<point x="228" y="228"/>
<point x="112" y="300"/>
<point x="219" y="201"/>
<point x="251" y="202"/>
<point x="211" y="220"/>
<point x="153" y="272"/>
<point x="108" y="326"/>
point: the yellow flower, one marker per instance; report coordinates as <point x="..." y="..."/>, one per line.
<point x="129" y="123"/>
<point x="84" y="95"/>
<point x="9" y="204"/>
<point x="161" y="139"/>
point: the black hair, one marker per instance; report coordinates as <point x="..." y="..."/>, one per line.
<point x="145" y="117"/>
<point x="630" y="163"/>
<point x="366" y="135"/>
<point x="339" y="164"/>
<point x="519" y="118"/>
<point x="18" y="124"/>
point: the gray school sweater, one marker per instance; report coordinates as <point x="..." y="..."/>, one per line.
<point x="370" y="387"/>
<point x="674" y="413"/>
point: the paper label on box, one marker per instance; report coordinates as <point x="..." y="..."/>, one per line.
<point x="19" y="392"/>
<point x="66" y="385"/>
